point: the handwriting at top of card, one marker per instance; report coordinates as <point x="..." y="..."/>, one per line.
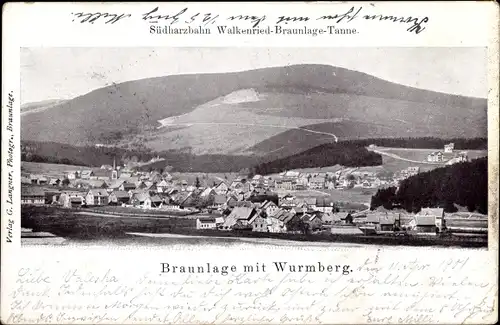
<point x="187" y="17"/>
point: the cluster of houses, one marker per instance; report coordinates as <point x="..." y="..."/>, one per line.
<point x="345" y="178"/>
<point x="449" y="156"/>
<point x="405" y="173"/>
<point x="246" y="204"/>
<point x="260" y="203"/>
<point x="289" y="214"/>
<point x="242" y="204"/>
<point x="379" y="221"/>
<point x="149" y="190"/>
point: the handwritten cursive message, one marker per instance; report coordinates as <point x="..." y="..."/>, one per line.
<point x="377" y="290"/>
<point x="189" y="19"/>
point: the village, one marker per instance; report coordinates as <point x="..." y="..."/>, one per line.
<point x="289" y="202"/>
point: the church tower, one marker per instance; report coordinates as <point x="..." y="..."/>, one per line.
<point x="114" y="173"/>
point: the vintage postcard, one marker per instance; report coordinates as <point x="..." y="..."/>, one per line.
<point x="253" y="163"/>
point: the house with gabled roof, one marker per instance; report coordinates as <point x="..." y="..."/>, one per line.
<point x="86" y="174"/>
<point x="72" y="174"/>
<point x="155" y="176"/>
<point x="138" y="199"/>
<point x="208" y="192"/>
<point x="97" y="197"/>
<point x="317" y="182"/>
<point x="42" y="180"/>
<point x="331" y="218"/>
<point x="25" y="180"/>
<point x="436" y="213"/>
<point x="309" y="201"/>
<point x="344" y="217"/>
<point x="72" y="199"/>
<point x="32" y="195"/>
<point x="279" y="220"/>
<point x="288" y="201"/>
<point x="184" y="199"/>
<point x="435" y="156"/>
<point x="269" y="207"/>
<point x="261" y="224"/>
<point x="119" y="197"/>
<point x="126" y="186"/>
<point x="206" y="223"/>
<point x="423" y="224"/>
<point x="285" y="183"/>
<point x="97" y="183"/>
<point x="55" y="181"/>
<point x="219" y="201"/>
<point x="153" y="201"/>
<point x="221" y="188"/>
<point x="240" y="215"/>
<point x="166" y="176"/>
<point x="324" y="204"/>
<point x="101" y="174"/>
<point x="139" y="185"/>
<point x="115" y="184"/>
<point x="162" y="186"/>
<point x="150" y="186"/>
<point x="312" y="220"/>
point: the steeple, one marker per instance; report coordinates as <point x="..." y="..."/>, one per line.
<point x="114" y="172"/>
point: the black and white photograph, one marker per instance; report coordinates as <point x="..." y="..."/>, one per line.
<point x="199" y="146"/>
<point x="295" y="163"/>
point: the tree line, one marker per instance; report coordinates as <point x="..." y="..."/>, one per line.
<point x="350" y="153"/>
<point x="342" y="153"/>
<point x="91" y="156"/>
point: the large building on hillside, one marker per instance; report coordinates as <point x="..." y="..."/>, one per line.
<point x="435" y="156"/>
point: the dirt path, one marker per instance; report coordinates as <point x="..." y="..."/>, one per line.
<point x="252" y="124"/>
<point x="392" y="155"/>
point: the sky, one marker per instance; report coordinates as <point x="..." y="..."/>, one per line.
<point x="65" y="73"/>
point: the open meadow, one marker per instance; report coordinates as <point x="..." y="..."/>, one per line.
<point x="393" y="164"/>
<point x="48" y="169"/>
<point x="354" y="195"/>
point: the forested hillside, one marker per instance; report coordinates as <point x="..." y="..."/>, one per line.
<point x="342" y="153"/>
<point x="465" y="184"/>
<point x="50" y="152"/>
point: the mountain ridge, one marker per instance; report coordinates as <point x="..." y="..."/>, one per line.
<point x="128" y="113"/>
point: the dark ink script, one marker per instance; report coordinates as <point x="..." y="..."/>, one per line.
<point x="413" y="24"/>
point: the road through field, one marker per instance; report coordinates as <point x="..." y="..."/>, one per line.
<point x="392" y="155"/>
<point x="251" y="124"/>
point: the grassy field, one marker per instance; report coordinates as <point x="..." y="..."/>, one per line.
<point x="67" y="223"/>
<point x="48" y="169"/>
<point x="95" y="228"/>
<point x="355" y="195"/>
<point x="206" y="179"/>
<point x="395" y="165"/>
<point x="133" y="211"/>
<point x="421" y="154"/>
